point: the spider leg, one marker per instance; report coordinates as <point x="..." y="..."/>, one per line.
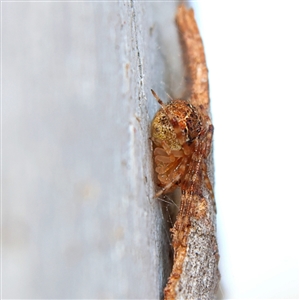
<point x="167" y="168"/>
<point x="192" y="181"/>
<point x="167" y="187"/>
<point x="158" y="99"/>
<point x="208" y="184"/>
<point x="179" y="170"/>
<point x="208" y="138"/>
<point x="207" y="133"/>
<point x="196" y="174"/>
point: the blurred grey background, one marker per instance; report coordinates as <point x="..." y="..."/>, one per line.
<point x="78" y="215"/>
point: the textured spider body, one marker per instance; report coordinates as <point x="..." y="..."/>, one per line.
<point x="182" y="136"/>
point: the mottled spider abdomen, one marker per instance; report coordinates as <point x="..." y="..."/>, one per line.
<point x="174" y="128"/>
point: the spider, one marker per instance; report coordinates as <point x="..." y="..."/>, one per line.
<point x="182" y="136"/>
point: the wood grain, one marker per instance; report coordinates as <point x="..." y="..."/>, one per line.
<point x="79" y="218"/>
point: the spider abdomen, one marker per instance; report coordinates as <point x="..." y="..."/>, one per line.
<point x="174" y="128"/>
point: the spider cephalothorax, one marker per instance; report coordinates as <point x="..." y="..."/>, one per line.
<point x="179" y="139"/>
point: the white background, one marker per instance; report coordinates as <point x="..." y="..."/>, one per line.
<point x="252" y="50"/>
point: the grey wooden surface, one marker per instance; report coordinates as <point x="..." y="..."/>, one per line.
<point x="78" y="215"/>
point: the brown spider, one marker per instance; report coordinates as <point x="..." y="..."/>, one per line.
<point x="182" y="136"/>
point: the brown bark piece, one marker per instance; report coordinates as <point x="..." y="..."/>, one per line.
<point x="195" y="273"/>
<point x="194" y="57"/>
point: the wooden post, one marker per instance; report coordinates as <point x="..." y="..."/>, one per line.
<point x="78" y="215"/>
